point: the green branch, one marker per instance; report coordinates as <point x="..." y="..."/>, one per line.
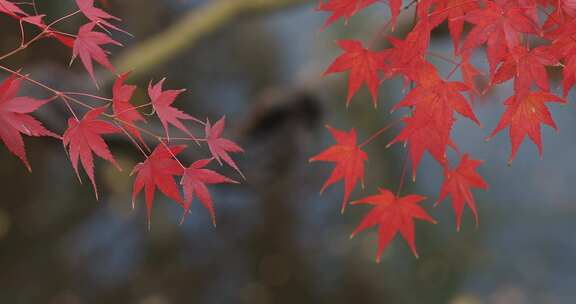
<point x="186" y="32"/>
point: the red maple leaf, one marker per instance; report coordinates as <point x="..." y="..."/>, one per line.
<point x="220" y="147"/>
<point x="428" y="129"/>
<point x="363" y="65"/>
<point x="524" y="114"/>
<point x="457" y="184"/>
<point x="97" y="15"/>
<point x="451" y="10"/>
<point x="11" y="9"/>
<point x="84" y="137"/>
<point x="162" y="102"/>
<point x="424" y="134"/>
<point x="526" y="67"/>
<point x="392" y="214"/>
<point x="194" y="181"/>
<point x="563" y="47"/>
<point x="439" y="99"/>
<point x="87" y="46"/>
<point x="343" y="8"/>
<point x="407" y="56"/>
<point x="158" y="170"/>
<point x="124" y="111"/>
<point x="349" y="159"/>
<point x="15" y="119"/>
<point x="500" y="25"/>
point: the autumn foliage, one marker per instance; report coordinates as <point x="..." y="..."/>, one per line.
<point x="523" y="42"/>
<point x="93" y="118"/>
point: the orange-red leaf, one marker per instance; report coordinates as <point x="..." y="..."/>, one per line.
<point x="349" y="159"/>
<point x="524" y="114"/>
<point x="424" y="134"/>
<point x="363" y="66"/>
<point x="343" y="8"/>
<point x="526" y="67"/>
<point x="439" y="99"/>
<point x="407" y="57"/>
<point x="434" y="102"/>
<point x="451" y="10"/>
<point x="500" y="24"/>
<point x="392" y="214"/>
<point x="458" y="183"/>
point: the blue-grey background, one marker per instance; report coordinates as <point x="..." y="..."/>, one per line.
<point x="277" y="240"/>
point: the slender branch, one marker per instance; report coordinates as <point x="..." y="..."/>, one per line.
<point x="134" y="142"/>
<point x="88" y="95"/>
<point x="378" y="133"/>
<point x="402" y="176"/>
<point x="24" y="45"/>
<point x="68" y="98"/>
<point x="197" y="24"/>
<point x="442" y="57"/>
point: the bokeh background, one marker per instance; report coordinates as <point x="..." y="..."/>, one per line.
<point x="277" y="240"/>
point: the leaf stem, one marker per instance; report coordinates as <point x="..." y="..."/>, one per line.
<point x="402" y="176"/>
<point x="24" y="45"/>
<point x="440" y="56"/>
<point x="67" y="99"/>
<point x="88" y="95"/>
<point x="378" y="133"/>
<point x="132" y="139"/>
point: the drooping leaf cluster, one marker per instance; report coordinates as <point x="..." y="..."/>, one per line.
<point x="521" y="40"/>
<point x="90" y="124"/>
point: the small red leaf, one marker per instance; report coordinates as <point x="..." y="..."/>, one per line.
<point x="158" y="170"/>
<point x="123" y="109"/>
<point x="392" y="214"/>
<point x="451" y="10"/>
<point x="526" y="67"/>
<point x="457" y="184"/>
<point x="84" y="137"/>
<point x="87" y="46"/>
<point x="15" y="119"/>
<point x="162" y="102"/>
<point x="343" y="8"/>
<point x="220" y="147"/>
<point x="363" y="65"/>
<point x="434" y="102"/>
<point x="97" y="15"/>
<point x="524" y="114"/>
<point x="349" y="159"/>
<point x="500" y="25"/>
<point x="194" y="181"/>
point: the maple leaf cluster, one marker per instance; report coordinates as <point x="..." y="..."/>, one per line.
<point x="85" y="135"/>
<point x="521" y="41"/>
